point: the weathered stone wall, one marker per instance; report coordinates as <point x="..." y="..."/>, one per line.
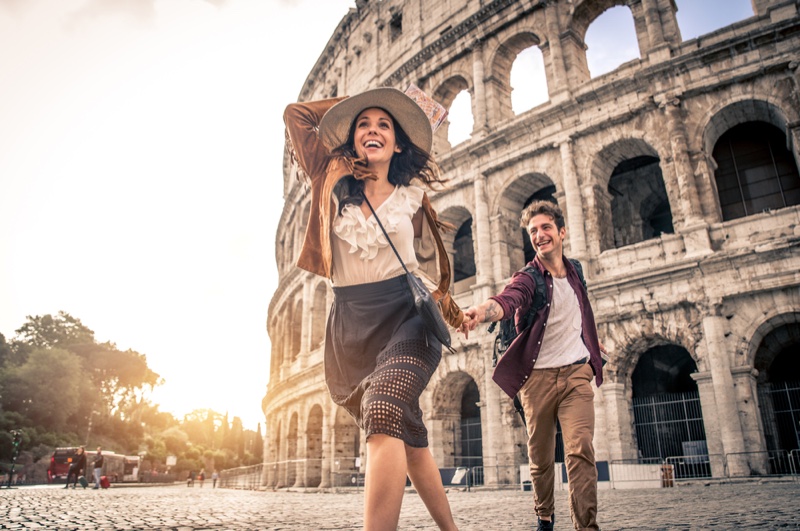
<point x="717" y="288"/>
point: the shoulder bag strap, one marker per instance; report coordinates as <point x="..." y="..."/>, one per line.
<point x="384" y="232"/>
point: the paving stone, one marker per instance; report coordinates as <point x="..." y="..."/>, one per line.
<point x="750" y="505"/>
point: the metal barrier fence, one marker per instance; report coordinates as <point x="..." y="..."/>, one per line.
<point x="243" y="477"/>
<point x="624" y="473"/>
<point x="695" y="466"/>
<point x="766" y="463"/>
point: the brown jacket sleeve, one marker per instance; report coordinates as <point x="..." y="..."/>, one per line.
<point x="302" y="123"/>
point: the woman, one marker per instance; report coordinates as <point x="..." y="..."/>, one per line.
<point x="378" y="355"/>
<point x="77" y="467"/>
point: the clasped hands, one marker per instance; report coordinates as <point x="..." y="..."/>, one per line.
<point x="472" y="318"/>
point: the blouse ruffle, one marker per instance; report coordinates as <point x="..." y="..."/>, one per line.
<point x="364" y="234"/>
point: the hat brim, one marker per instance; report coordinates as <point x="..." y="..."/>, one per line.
<point x="335" y="124"/>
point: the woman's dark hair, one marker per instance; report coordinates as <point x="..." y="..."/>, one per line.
<point x="411" y="163"/>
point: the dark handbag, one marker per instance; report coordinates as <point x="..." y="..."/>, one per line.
<point x="427" y="308"/>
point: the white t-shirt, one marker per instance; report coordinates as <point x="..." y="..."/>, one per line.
<point x="562" y="343"/>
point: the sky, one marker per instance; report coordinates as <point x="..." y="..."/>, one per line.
<point x="141" y="150"/>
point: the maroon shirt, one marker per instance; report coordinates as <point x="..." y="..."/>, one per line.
<point x="514" y="368"/>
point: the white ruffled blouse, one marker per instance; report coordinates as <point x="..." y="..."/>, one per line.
<point x="361" y="253"/>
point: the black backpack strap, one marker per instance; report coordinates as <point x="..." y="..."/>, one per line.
<point x="539" y="295"/>
<point x="579" y="269"/>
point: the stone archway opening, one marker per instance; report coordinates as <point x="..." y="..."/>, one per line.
<point x="778" y="363"/>
<point x="314" y="447"/>
<point x="457" y="407"/>
<point x="639" y="206"/>
<point x="519" y="193"/>
<point x="545" y="194"/>
<point x="755" y="171"/>
<point x="668" y="419"/>
<point x="346" y="445"/>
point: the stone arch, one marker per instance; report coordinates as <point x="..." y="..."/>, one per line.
<point x="313" y="469"/>
<point x="512" y="199"/>
<point x="448" y="396"/>
<point x="499" y="79"/>
<point x="667" y="415"/>
<point x="461" y="247"/>
<point x="750" y="346"/>
<point x="600" y="26"/>
<point x="296" y="327"/>
<point x="445" y="94"/>
<point x="772" y="348"/>
<point x="346" y="446"/>
<point x="742" y="119"/>
<point x="731" y="113"/>
<point x="632" y="164"/>
<point x="319" y="315"/>
<point x="628" y="339"/>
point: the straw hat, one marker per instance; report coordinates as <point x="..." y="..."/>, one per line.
<point x="335" y="125"/>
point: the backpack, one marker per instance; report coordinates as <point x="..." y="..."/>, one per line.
<point x="509" y="329"/>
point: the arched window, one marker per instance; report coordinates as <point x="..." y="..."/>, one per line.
<point x="460" y="119"/>
<point x="545" y="194"/>
<point x="463" y="253"/>
<point x="528" y="80"/>
<point x="611" y="41"/>
<point x="639" y="206"/>
<point x="755" y="172"/>
<point x="318" y="317"/>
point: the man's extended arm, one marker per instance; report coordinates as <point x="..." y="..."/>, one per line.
<point x="486" y="312"/>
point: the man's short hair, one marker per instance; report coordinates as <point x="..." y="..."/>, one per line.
<point x="542" y="207"/>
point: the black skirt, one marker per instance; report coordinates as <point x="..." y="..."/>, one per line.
<point x="379" y="358"/>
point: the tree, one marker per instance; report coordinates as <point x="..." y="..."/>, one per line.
<point x="46" y="331"/>
<point x="44" y="389"/>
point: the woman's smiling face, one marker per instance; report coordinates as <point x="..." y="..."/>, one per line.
<point x="374" y="136"/>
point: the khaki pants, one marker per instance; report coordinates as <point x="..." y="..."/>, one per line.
<point x="566" y="394"/>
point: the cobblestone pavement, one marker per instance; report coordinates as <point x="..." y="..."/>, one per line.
<point x="753" y="505"/>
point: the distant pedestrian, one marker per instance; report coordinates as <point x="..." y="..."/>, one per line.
<point x="98" y="467"/>
<point x="202" y="476"/>
<point x="214" y="478"/>
<point x="77" y="467"/>
<point x="190" y="479"/>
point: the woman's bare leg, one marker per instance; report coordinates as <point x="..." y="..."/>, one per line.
<point x="427" y="481"/>
<point x="384" y="482"/>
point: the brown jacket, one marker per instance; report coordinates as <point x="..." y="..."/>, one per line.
<point x="324" y="171"/>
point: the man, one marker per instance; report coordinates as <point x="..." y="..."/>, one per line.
<point x="98" y="467"/>
<point x="550" y="365"/>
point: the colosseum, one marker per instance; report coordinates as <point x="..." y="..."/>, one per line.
<point x="678" y="174"/>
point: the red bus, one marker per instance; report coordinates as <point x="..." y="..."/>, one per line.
<point x="116" y="467"/>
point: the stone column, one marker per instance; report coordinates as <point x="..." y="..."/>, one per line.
<point x="659" y="49"/>
<point x="558" y="85"/>
<point x="301" y="461"/>
<point x="327" y="454"/>
<point x="619" y="424"/>
<point x="694" y="230"/>
<point x="744" y="382"/>
<point x="711" y="421"/>
<point x="722" y="380"/>
<point x="492" y="414"/>
<point x="572" y="193"/>
<point x="481" y="124"/>
<point x="482" y="241"/>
